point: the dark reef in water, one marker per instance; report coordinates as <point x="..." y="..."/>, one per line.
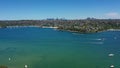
<point x="89" y="25"/>
<point x="2" y="66"/>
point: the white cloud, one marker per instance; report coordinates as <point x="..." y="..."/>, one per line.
<point x="112" y="15"/>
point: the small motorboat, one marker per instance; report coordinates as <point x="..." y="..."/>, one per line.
<point x="26" y="66"/>
<point x="9" y="59"/>
<point x="112" y="66"/>
<point x="111" y="55"/>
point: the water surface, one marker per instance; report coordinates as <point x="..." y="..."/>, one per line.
<point x="50" y="48"/>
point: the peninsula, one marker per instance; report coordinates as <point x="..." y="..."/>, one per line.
<point x="89" y="25"/>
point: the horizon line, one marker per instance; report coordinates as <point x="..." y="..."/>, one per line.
<point x="91" y="18"/>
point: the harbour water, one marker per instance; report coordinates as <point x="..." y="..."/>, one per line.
<point x="50" y="48"/>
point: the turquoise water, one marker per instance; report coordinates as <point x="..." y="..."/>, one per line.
<point x="50" y="48"/>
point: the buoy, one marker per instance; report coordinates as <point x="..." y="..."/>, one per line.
<point x="26" y="66"/>
<point x="111" y="55"/>
<point x="9" y="59"/>
<point x="112" y="66"/>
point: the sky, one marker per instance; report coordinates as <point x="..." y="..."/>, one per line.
<point x="68" y="9"/>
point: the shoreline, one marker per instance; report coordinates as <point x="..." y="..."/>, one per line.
<point x="59" y="29"/>
<point x="113" y="30"/>
<point x="20" y="26"/>
<point x="90" y="32"/>
<point x="50" y="27"/>
<point x="29" y="26"/>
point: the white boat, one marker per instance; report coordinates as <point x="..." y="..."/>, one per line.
<point x="9" y="59"/>
<point x="111" y="55"/>
<point x="26" y="66"/>
<point x="112" y="66"/>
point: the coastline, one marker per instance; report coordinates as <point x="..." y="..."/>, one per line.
<point x="90" y="32"/>
<point x="60" y="29"/>
<point x="29" y="26"/>
<point x="80" y="26"/>
<point x="113" y="30"/>
<point x="49" y="27"/>
<point x="20" y="26"/>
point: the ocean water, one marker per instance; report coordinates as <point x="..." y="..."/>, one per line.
<point x="50" y="48"/>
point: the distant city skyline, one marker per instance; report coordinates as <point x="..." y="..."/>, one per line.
<point x="68" y="9"/>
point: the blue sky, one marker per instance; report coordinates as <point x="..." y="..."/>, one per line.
<point x="69" y="9"/>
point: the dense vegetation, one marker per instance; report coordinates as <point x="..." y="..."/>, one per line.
<point x="85" y="25"/>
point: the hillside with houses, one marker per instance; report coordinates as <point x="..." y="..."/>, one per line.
<point x="88" y="25"/>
